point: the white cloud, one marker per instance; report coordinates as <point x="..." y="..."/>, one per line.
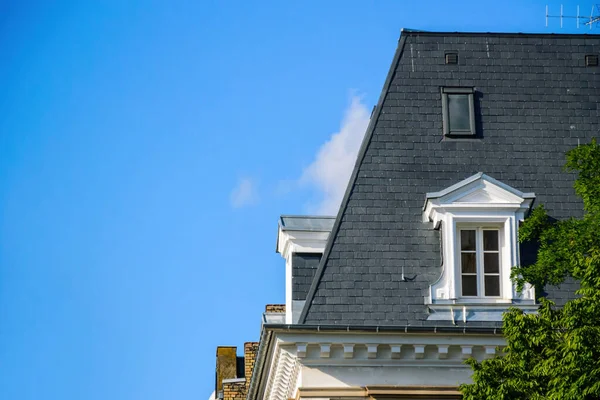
<point x="244" y="194"/>
<point x="330" y="172"/>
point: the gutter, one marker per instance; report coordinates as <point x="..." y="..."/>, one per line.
<point x="380" y="329"/>
<point x="264" y="347"/>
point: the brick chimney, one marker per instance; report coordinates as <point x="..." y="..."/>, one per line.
<point x="226" y="366"/>
<point x="234" y="390"/>
<point x="250" y="350"/>
<point x="233" y="373"/>
<point x="275" y="308"/>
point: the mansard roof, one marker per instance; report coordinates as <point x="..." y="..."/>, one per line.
<point x="534" y="100"/>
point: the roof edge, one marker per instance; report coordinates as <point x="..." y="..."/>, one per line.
<point x="353" y="177"/>
<point x="264" y="347"/>
<point x="381" y="328"/>
<point x="416" y="32"/>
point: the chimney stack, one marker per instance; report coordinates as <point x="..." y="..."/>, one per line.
<point x="226" y="367"/>
<point x="250" y="350"/>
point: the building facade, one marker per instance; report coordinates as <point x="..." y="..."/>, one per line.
<point x="389" y="297"/>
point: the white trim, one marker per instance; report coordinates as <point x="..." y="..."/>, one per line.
<point x="283" y="374"/>
<point x="477" y="201"/>
<point x="477" y="177"/>
<point x="297" y="241"/>
<point x="235" y="380"/>
<point x="479" y="261"/>
<point x="334" y="359"/>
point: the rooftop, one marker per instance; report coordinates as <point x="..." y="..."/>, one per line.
<point x="306" y="223"/>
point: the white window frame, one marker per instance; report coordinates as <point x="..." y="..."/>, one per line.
<point x="478" y="201"/>
<point x="479" y="256"/>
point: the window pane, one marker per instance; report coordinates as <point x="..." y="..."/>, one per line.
<point x="469" y="285"/>
<point x="492" y="285"/>
<point x="490" y="263"/>
<point x="490" y="240"/>
<point x="467" y="261"/>
<point x="458" y="112"/>
<point x="467" y="240"/>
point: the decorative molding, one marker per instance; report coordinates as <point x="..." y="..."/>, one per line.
<point x="467" y="351"/>
<point x="348" y="350"/>
<point x="410" y="392"/>
<point x="395" y="350"/>
<point x="479" y="200"/>
<point x="372" y="350"/>
<point x="490" y="351"/>
<point x="331" y="392"/>
<point x="419" y="350"/>
<point x="443" y="351"/>
<point x="282" y="379"/>
<point x="298" y="359"/>
<point x="301" y="349"/>
<point x="290" y="241"/>
<point x="444" y="392"/>
<point x="468" y="312"/>
<point x="325" y="350"/>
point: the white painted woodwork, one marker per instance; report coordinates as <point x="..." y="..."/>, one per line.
<point x="346" y="360"/>
<point x="477" y="201"/>
<point x="297" y="241"/>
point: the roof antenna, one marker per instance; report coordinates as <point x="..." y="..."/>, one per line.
<point x="593" y="19"/>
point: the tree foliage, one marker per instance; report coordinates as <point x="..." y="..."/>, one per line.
<point x="554" y="354"/>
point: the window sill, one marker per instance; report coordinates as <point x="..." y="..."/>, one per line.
<point x="465" y="312"/>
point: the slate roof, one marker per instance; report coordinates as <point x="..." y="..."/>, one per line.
<point x="304" y="266"/>
<point x="535" y="99"/>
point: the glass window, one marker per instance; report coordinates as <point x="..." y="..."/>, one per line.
<point x="480" y="262"/>
<point x="458" y="112"/>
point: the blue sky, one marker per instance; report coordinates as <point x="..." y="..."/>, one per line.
<point x="146" y="152"/>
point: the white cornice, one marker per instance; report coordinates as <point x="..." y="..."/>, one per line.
<point x="283" y="375"/>
<point x="290" y="242"/>
<point x="295" y="351"/>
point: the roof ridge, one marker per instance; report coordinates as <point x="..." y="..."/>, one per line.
<point x="415" y="32"/>
<point x="353" y="177"/>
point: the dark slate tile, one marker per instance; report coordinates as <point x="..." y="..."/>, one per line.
<point x="536" y="101"/>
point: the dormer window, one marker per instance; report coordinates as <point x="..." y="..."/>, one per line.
<point x="478" y="219"/>
<point x="301" y="241"/>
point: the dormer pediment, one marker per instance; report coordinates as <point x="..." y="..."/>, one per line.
<point x="478" y="192"/>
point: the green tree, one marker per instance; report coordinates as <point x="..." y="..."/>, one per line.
<point x="554" y="354"/>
